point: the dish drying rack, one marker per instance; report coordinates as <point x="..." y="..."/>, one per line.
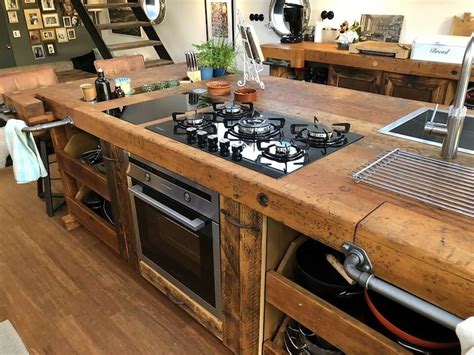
<point x="438" y="183"/>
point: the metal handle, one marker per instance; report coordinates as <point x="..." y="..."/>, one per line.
<point x="45" y="126"/>
<point x="194" y="224"/>
<point x="356" y="258"/>
<point x="7" y="109"/>
<point x="236" y="223"/>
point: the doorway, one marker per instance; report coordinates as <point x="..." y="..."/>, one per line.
<point x="7" y="59"/>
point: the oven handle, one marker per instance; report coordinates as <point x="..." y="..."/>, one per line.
<point x="194" y="224"/>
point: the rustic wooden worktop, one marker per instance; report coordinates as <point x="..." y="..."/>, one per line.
<point x="425" y="250"/>
<point x="298" y="53"/>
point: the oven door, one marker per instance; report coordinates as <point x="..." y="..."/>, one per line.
<point x="178" y="243"/>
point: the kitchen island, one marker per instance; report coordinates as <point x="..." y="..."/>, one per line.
<point x="424" y="250"/>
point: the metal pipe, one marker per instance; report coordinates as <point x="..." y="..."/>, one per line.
<point x="370" y="282"/>
<point x="45" y="126"/>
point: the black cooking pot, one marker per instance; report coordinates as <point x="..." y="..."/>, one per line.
<point x="316" y="274"/>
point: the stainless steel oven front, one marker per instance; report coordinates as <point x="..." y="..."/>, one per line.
<point x="177" y="227"/>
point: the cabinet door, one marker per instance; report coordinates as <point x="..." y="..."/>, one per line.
<point x="415" y="87"/>
<point x="355" y="79"/>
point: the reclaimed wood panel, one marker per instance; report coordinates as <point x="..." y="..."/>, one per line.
<point x="328" y="321"/>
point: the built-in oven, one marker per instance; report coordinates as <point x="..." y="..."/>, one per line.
<point x="177" y="228"/>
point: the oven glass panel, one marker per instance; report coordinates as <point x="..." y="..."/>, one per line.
<point x="184" y="254"/>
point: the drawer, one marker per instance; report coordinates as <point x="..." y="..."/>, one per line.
<point x="326" y="320"/>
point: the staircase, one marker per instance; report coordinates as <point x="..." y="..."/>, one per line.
<point x="142" y="21"/>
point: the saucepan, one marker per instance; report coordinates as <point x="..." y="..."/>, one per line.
<point x="408" y="326"/>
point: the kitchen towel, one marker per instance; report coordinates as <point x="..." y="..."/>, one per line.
<point x="465" y="333"/>
<point x="27" y="163"/>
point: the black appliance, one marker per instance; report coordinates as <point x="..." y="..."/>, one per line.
<point x="293" y="14"/>
<point x="177" y="227"/>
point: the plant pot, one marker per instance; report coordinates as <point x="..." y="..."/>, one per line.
<point x="218" y="72"/>
<point x="206" y="73"/>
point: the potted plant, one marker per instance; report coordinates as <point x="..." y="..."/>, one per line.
<point x="223" y="57"/>
<point x="204" y="57"/>
<point x="347" y="35"/>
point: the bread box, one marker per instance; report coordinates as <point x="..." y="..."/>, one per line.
<point x="439" y="48"/>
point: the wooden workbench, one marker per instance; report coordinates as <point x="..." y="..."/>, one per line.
<point x="422" y="249"/>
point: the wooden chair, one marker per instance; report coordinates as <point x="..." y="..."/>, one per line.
<point x="26" y="80"/>
<point x="121" y="65"/>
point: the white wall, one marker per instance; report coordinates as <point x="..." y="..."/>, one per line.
<point x="185" y="24"/>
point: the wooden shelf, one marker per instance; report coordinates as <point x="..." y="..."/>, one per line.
<point x="84" y="173"/>
<point x="94" y="223"/>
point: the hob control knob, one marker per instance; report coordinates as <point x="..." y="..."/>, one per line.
<point x="224" y="145"/>
<point x="191" y="132"/>
<point x="201" y="138"/>
<point x="212" y="143"/>
<point x="237" y="149"/>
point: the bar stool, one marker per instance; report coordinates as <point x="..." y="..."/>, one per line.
<point x="32" y="79"/>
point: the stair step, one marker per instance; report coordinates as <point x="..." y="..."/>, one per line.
<point x="119" y="25"/>
<point x="158" y="63"/>
<point x="111" y="6"/>
<point x="136" y="44"/>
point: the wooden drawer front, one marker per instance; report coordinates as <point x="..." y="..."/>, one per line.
<point x="355" y="79"/>
<point x="415" y="87"/>
<point x="332" y="324"/>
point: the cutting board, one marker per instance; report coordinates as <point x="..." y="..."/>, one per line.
<point x="381" y="48"/>
<point x="463" y="26"/>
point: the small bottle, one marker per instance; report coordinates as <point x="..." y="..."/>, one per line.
<point x="102" y="86"/>
<point x="118" y="93"/>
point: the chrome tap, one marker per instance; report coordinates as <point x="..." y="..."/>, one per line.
<point x="457" y="111"/>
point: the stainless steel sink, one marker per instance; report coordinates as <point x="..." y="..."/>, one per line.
<point x="411" y="127"/>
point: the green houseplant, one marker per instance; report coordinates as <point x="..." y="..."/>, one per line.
<point x="223" y="57"/>
<point x="204" y="57"/>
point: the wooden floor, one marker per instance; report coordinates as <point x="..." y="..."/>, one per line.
<point x="67" y="293"/>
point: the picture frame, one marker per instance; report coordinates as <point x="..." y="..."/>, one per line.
<point x="51" y="20"/>
<point x="67" y="21"/>
<point x="61" y="35"/>
<point x="29" y="2"/>
<point x="16" y="33"/>
<point x="33" y="19"/>
<point x="71" y="33"/>
<point x="220" y="19"/>
<point x="38" y="52"/>
<point x="51" y="49"/>
<point x="384" y="28"/>
<point x="12" y="17"/>
<point x="48" y="5"/>
<point x="48" y="35"/>
<point x="35" y="37"/>
<point x="12" y="5"/>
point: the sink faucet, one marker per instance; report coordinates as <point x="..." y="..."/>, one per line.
<point x="457" y="111"/>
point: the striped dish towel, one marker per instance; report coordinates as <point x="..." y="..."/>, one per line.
<point x="27" y="163"/>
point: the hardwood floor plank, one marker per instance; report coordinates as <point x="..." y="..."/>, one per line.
<point x="68" y="293"/>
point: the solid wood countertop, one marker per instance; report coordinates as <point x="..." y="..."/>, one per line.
<point x="299" y="53"/>
<point x="319" y="200"/>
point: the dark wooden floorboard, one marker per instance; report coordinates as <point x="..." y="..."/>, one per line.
<point x="68" y="293"/>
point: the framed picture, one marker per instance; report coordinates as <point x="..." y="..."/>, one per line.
<point x="51" y="20"/>
<point x="11" y="5"/>
<point x="67" y="9"/>
<point x="385" y="28"/>
<point x="35" y="37"/>
<point x="29" y="1"/>
<point x="67" y="21"/>
<point x="48" y="35"/>
<point x="12" y="17"/>
<point x="220" y="19"/>
<point x="16" y="33"/>
<point x="75" y="21"/>
<point x="38" y="51"/>
<point x="61" y="35"/>
<point x="47" y="5"/>
<point x="51" y="49"/>
<point x="71" y="33"/>
<point x="33" y="19"/>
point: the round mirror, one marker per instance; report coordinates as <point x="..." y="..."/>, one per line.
<point x="154" y="9"/>
<point x="277" y="19"/>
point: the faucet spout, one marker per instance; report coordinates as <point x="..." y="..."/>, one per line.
<point x="457" y="111"/>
